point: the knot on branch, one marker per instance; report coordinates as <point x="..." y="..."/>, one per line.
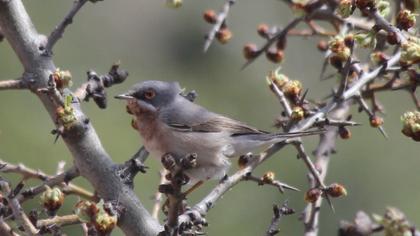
<point x="278" y="212"/>
<point x="176" y="205"/>
<point x="95" y="87"/>
<point x="128" y="171"/>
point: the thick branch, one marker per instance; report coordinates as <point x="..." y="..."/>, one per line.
<point x="6" y="230"/>
<point x="90" y="157"/>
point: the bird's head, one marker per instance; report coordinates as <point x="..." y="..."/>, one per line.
<point x="152" y="95"/>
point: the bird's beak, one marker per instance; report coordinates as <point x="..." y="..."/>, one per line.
<point x="124" y="96"/>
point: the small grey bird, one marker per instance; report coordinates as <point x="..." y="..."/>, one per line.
<point x="170" y="123"/>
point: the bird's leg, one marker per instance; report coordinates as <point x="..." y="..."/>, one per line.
<point x="193" y="188"/>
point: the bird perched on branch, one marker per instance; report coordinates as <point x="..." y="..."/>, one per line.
<point x="170" y="123"/>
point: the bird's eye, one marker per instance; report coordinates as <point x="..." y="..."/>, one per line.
<point x="149" y="94"/>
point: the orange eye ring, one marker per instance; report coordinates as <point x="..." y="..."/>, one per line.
<point x="149" y="94"/>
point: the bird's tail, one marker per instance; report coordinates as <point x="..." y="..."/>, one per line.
<point x="282" y="135"/>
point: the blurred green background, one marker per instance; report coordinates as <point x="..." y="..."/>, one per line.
<point x="154" y="42"/>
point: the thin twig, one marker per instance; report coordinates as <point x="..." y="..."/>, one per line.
<point x="12" y="84"/>
<point x="5" y="229"/>
<point x="365" y="108"/>
<point x="51" y="181"/>
<point x="157" y="198"/>
<point x="322" y="155"/>
<point x="276" y="183"/>
<point x="17" y="209"/>
<point x="58" y="221"/>
<point x="58" y="31"/>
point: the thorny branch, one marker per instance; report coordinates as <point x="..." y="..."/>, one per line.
<point x="84" y="144"/>
<point x="60" y="179"/>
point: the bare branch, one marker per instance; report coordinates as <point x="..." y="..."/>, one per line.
<point x="95" y="87"/>
<point x="12" y="84"/>
<point x="5" y="229"/>
<point x="58" y="32"/>
<point x="90" y="158"/>
<point x="58" y="221"/>
<point x="221" y="20"/>
<point x="279" y="212"/>
<point x="322" y="154"/>
<point x="17" y="209"/>
<point x="62" y="180"/>
<point x="279" y="185"/>
<point x="157" y="198"/>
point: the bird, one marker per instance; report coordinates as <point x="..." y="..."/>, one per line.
<point x="168" y="122"/>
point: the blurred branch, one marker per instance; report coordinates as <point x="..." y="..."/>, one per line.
<point x="5" y="229"/>
<point x="17" y="210"/>
<point x="220" y="21"/>
<point x="58" y="221"/>
<point x="58" y="31"/>
<point x="157" y="198"/>
<point x="12" y="84"/>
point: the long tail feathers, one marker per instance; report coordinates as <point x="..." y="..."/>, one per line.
<point x="299" y="134"/>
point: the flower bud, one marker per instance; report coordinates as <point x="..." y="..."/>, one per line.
<point x="277" y="78"/>
<point x="411" y="125"/>
<point x="268" y="177"/>
<point x="52" y="199"/>
<point x="344" y="132"/>
<point x="263" y="30"/>
<point x="312" y="195"/>
<point x="406" y="19"/>
<point x="345" y="8"/>
<point x="104" y="222"/>
<point x="275" y="56"/>
<point x="174" y="3"/>
<point x="378" y="57"/>
<point x="392" y="38"/>
<point x="297" y="113"/>
<point x="62" y="78"/>
<point x="250" y="51"/>
<point x="322" y="45"/>
<point x="210" y="16"/>
<point x="292" y="88"/>
<point x="376" y="121"/>
<point x="410" y="53"/>
<point x="224" y="35"/>
<point x="336" y="190"/>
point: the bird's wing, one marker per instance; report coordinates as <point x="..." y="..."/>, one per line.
<point x="185" y="116"/>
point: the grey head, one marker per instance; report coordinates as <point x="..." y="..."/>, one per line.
<point x="152" y="93"/>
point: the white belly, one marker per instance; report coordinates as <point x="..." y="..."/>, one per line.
<point x="211" y="162"/>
